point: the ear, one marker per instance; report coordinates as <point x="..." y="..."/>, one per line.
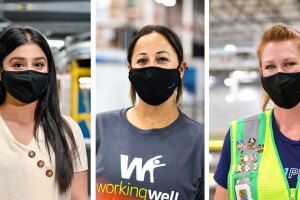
<point x="129" y="67"/>
<point x="182" y="68"/>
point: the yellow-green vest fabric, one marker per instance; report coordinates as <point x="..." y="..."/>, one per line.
<point x="267" y="181"/>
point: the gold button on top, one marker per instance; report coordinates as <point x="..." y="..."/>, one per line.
<point x="31" y="154"/>
<point x="40" y="163"/>
<point x="49" y="173"/>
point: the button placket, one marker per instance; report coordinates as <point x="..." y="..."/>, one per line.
<point x="40" y="164"/>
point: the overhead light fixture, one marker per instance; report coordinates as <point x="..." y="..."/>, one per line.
<point x="230" y="48"/>
<point x="228" y="82"/>
<point x="168" y="3"/>
<point x="56" y="43"/>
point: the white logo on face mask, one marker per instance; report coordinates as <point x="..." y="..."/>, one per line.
<point x="137" y="164"/>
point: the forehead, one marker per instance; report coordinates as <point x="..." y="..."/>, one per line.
<point x="285" y="48"/>
<point x="30" y="50"/>
<point x="152" y="43"/>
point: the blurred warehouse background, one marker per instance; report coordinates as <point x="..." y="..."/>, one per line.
<point x="66" y="24"/>
<point x="118" y="20"/>
<point x="234" y="82"/>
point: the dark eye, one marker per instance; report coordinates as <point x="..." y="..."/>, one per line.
<point x="18" y="65"/>
<point x="162" y="59"/>
<point x="270" y="66"/>
<point x="141" y="61"/>
<point x="39" y="65"/>
<point x="290" y="64"/>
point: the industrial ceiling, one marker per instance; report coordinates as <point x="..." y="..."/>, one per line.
<point x="56" y="19"/>
<point x="241" y="22"/>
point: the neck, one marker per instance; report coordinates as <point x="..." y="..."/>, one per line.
<point x="18" y="112"/>
<point x="288" y="121"/>
<point x="158" y="113"/>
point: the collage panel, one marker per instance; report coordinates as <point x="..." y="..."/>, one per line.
<point x="45" y="100"/>
<point x="150" y="100"/>
<point x="254" y="99"/>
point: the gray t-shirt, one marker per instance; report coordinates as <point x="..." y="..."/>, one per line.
<point x="158" y="164"/>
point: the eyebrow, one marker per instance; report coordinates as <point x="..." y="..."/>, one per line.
<point x="23" y="58"/>
<point x="285" y="59"/>
<point x="159" y="52"/>
<point x="267" y="61"/>
<point x="289" y="58"/>
<point x="141" y="54"/>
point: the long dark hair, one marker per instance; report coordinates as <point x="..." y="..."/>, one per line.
<point x="172" y="38"/>
<point x="47" y="113"/>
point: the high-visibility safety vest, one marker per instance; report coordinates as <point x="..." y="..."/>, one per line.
<point x="256" y="171"/>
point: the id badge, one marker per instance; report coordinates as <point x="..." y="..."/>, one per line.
<point x="243" y="192"/>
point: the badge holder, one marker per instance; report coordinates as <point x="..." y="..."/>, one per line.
<point x="243" y="192"/>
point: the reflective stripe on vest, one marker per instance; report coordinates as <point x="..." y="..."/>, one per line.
<point x="268" y="181"/>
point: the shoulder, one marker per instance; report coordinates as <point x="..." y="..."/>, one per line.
<point x="69" y="120"/>
<point x="109" y="121"/>
<point x="192" y="123"/>
<point x="77" y="133"/>
<point x="80" y="159"/>
<point x="251" y="118"/>
<point x="109" y="115"/>
<point x="192" y="126"/>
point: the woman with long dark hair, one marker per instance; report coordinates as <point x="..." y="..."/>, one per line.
<point x="42" y="153"/>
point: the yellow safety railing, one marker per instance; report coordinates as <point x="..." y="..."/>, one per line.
<point x="215" y="145"/>
<point x="77" y="72"/>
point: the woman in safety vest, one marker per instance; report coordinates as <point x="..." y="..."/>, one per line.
<point x="261" y="154"/>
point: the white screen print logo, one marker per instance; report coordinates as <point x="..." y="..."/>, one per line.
<point x="140" y="170"/>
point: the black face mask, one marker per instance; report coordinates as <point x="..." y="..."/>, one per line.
<point x="26" y="86"/>
<point x="154" y="85"/>
<point x="283" y="89"/>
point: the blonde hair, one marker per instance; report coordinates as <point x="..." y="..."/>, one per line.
<point x="277" y="32"/>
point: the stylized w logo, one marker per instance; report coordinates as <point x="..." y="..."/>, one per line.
<point x="137" y="164"/>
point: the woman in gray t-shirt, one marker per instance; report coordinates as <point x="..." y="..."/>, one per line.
<point x="151" y="150"/>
